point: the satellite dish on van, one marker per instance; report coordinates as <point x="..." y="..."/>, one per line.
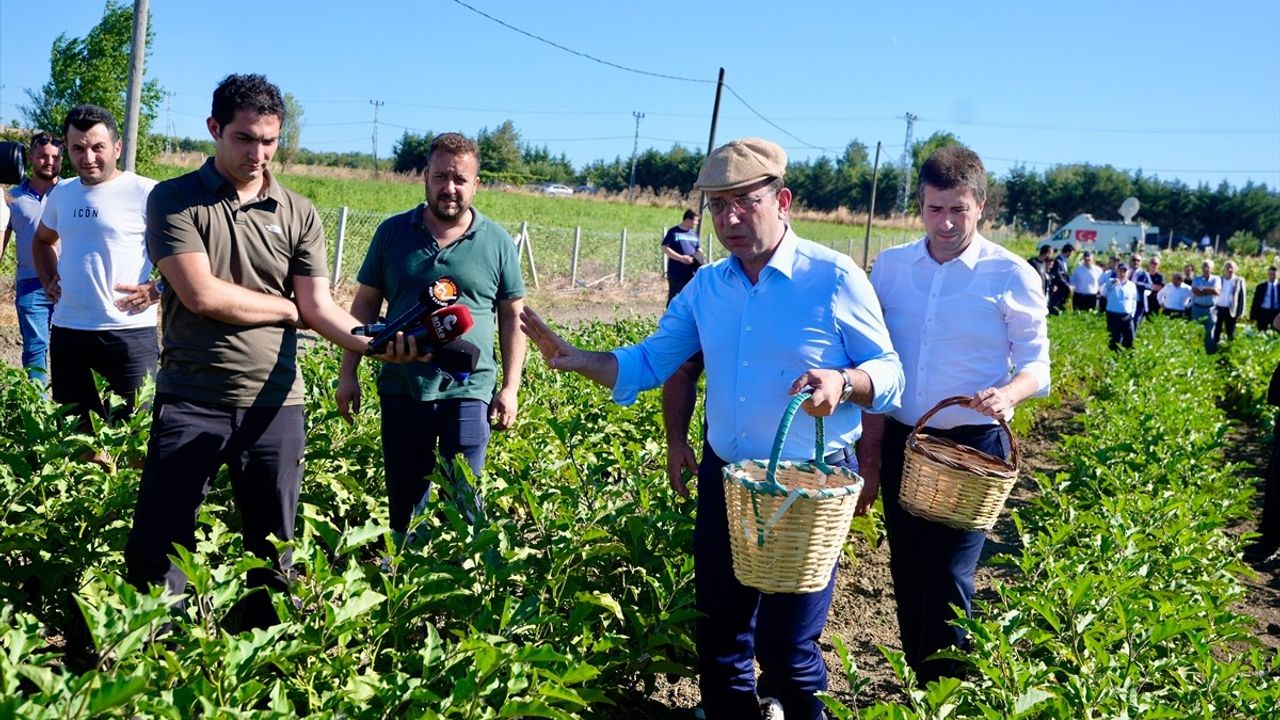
<point x="1129" y="208"/>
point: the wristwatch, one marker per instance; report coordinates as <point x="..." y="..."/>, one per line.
<point x="848" y="386"/>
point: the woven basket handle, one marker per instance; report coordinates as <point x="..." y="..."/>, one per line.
<point x="964" y="400"/>
<point x="820" y="442"/>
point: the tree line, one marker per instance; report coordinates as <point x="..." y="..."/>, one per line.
<point x="95" y="69"/>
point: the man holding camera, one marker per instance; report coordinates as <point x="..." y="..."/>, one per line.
<point x="244" y="260"/>
<point x="424" y="408"/>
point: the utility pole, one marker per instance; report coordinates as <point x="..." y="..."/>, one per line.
<point x="132" y="110"/>
<point x="907" y="162"/>
<point x="871" y="211"/>
<point x="635" y="148"/>
<point x="376" y="104"/>
<point x="711" y="145"/>
<point x="170" y="132"/>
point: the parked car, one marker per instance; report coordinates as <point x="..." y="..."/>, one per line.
<point x="1164" y="242"/>
<point x="585" y="190"/>
<point x="556" y="189"/>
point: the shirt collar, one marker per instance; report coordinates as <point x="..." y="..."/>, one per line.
<point x="214" y="182"/>
<point x="969" y="258"/>
<point x="24" y="188"/>
<point x="783" y="259"/>
<point x="477" y="221"/>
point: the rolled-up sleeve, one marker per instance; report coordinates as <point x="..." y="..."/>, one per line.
<point x="866" y="340"/>
<point x="649" y="363"/>
<point x="1025" y="313"/>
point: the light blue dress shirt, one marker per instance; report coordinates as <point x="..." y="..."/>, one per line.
<point x="811" y="308"/>
<point x="1122" y="298"/>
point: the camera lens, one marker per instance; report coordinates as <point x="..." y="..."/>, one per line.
<point x="13" y="162"/>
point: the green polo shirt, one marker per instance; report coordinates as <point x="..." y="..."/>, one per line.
<point x="404" y="258"/>
<point x="259" y="245"/>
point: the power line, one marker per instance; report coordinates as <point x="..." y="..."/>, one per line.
<point x="775" y="125"/>
<point x="592" y="58"/>
<point x="625" y="68"/>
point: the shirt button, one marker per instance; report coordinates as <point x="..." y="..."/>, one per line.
<point x="743" y="433"/>
<point x="748" y="328"/>
<point x="742" y="398"/>
<point x="745" y="363"/>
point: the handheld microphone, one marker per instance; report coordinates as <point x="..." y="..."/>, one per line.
<point x="438" y="328"/>
<point x="457" y="358"/>
<point x="440" y="294"/>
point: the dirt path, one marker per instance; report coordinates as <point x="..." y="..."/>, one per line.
<point x="862" y="612"/>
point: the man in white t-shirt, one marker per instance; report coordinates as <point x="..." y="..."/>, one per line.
<point x="90" y="253"/>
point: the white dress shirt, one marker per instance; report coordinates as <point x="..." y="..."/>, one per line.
<point x="1086" y="279"/>
<point x="961" y="326"/>
<point x="1175" y="297"/>
<point x="1228" y="291"/>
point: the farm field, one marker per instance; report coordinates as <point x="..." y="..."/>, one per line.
<point x="1113" y="591"/>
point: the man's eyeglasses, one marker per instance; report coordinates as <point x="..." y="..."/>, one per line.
<point x="47" y="141"/>
<point x="742" y="204"/>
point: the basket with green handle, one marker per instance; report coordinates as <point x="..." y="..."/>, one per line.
<point x="788" y="520"/>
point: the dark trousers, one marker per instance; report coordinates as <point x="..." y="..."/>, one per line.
<point x="1120" y="328"/>
<point x="1269" y="527"/>
<point x="411" y="431"/>
<point x="739" y="623"/>
<point x="1226" y="325"/>
<point x="1081" y="301"/>
<point x="262" y="448"/>
<point x="676" y="283"/>
<point x="932" y="564"/>
<point x="124" y="357"/>
<point x="1265" y="318"/>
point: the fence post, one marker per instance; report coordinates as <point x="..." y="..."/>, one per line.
<point x="662" y="257"/>
<point x="528" y="249"/>
<point x="339" y="245"/>
<point x="622" y="258"/>
<point x="573" y="263"/>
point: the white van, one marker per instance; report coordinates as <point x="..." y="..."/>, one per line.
<point x="1085" y="233"/>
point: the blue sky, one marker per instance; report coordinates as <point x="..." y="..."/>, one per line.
<point x="1182" y="90"/>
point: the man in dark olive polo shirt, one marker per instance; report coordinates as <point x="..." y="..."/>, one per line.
<point x="244" y="262"/>
<point x="423" y="407"/>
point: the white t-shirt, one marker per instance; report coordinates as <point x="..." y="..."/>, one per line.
<point x="102" y="229"/>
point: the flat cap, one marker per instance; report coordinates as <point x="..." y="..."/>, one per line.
<point x="740" y="163"/>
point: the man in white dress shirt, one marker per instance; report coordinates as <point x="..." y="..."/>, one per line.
<point x="1228" y="305"/>
<point x="1175" y="298"/>
<point x="1086" y="284"/>
<point x="967" y="317"/>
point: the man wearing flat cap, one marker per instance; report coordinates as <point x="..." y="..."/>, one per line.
<point x="777" y="315"/>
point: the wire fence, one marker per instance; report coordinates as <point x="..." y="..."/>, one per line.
<point x="561" y="257"/>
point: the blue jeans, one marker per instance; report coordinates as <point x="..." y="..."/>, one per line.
<point x="739" y="623"/>
<point x="34" y="311"/>
<point x="932" y="564"/>
<point x="1207" y="315"/>
<point x="411" y="431"/>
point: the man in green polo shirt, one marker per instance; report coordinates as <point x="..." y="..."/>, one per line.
<point x="423" y="408"/>
<point x="244" y="261"/>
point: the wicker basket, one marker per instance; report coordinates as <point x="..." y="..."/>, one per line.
<point x="953" y="484"/>
<point x="788" y="521"/>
